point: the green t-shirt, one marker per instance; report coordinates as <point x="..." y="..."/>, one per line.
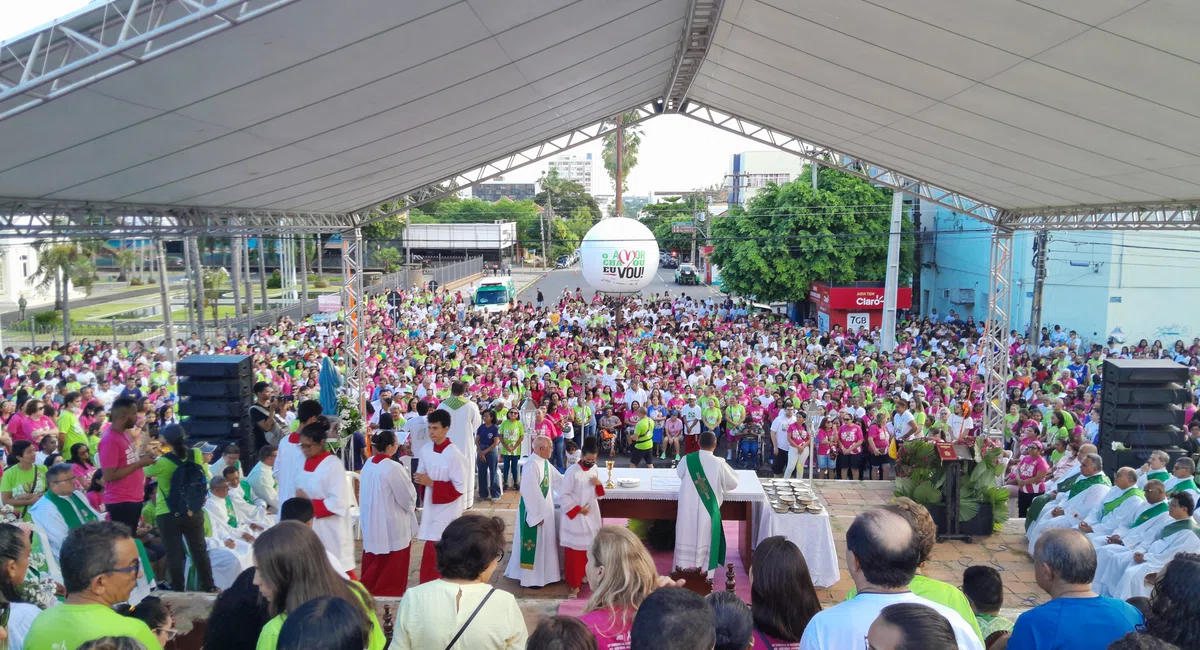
<point x="943" y="594"/>
<point x="162" y="470"/>
<point x="70" y="626"/>
<point x="268" y="638"/>
<point x="711" y="416"/>
<point x="510" y="432"/>
<point x="73" y="433"/>
<point x="643" y="434"/>
<point x="24" y="481"/>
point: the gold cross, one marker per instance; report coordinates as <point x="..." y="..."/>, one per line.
<point x="530" y="545"/>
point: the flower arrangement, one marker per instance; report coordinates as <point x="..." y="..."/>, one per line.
<point x="921" y="475"/>
<point x="38" y="591"/>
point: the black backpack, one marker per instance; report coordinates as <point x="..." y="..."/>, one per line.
<point x="189" y="487"/>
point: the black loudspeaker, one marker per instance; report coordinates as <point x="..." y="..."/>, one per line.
<point x="1141" y="407"/>
<point x="215" y="366"/>
<point x="216" y="388"/>
<point x="232" y="409"/>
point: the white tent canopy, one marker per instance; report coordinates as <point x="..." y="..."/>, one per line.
<point x="334" y="107"/>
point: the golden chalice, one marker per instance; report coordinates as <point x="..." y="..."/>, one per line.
<point x="610" y="464"/>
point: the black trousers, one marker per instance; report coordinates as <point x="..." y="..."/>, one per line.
<point x="1024" y="500"/>
<point x="175" y="531"/>
<point x="129" y="513"/>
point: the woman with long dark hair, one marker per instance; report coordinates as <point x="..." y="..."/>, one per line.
<point x="1174" y="614"/>
<point x="327" y="623"/>
<point x="292" y="570"/>
<point x="782" y="596"/>
<point x="14" y="563"/>
<point x="81" y="465"/>
<point x="24" y="482"/>
<point x="238" y="615"/>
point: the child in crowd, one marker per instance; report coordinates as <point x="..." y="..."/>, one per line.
<point x="985" y="591"/>
<point x="573" y="453"/>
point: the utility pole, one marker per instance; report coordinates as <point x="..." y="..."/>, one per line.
<point x="542" y="221"/>
<point x="695" y="225"/>
<point x="235" y="262"/>
<point x="262" y="269"/>
<point x="620" y="209"/>
<point x="304" y="268"/>
<point x="198" y="270"/>
<point x="550" y="228"/>
<point x="168" y="330"/>
<point x="1040" y="242"/>
<point x="891" y="285"/>
<point x="813" y="164"/>
<point x="189" y="278"/>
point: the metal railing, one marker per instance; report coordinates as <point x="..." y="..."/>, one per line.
<point x="29" y="333"/>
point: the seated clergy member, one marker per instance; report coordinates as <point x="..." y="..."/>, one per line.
<point x="1155" y="468"/>
<point x="1087" y="492"/>
<point x="239" y="490"/>
<point x="1180" y="536"/>
<point x="1123" y="501"/>
<point x="1113" y="552"/>
<point x="1057" y="488"/>
<point x="227" y="540"/>
<point x="1183" y="479"/>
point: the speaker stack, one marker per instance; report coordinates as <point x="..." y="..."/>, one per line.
<point x="215" y="395"/>
<point x="1141" y="407"/>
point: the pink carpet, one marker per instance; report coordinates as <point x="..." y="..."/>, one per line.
<point x="663" y="562"/>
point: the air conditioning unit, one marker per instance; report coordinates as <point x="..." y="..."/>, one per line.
<point x="963" y="296"/>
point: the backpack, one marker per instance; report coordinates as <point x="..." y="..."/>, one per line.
<point x="189" y="487"/>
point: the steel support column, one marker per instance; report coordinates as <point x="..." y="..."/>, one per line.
<point x="994" y="342"/>
<point x="892" y="283"/>
<point x="354" y="307"/>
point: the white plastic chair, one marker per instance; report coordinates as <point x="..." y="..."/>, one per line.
<point x="352" y="483"/>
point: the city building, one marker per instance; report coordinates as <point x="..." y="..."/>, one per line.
<point x="18" y="266"/>
<point x="492" y="192"/>
<point x="750" y="171"/>
<point x="575" y="167"/>
<point x="493" y="241"/>
<point x="1126" y="286"/>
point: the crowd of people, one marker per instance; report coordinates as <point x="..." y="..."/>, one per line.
<point x="463" y="406"/>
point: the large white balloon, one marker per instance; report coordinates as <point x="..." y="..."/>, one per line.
<point x="619" y="255"/>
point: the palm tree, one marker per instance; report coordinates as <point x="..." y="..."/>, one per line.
<point x="62" y="264"/>
<point x="629" y="152"/>
<point x="213" y="278"/>
<point x="126" y="259"/>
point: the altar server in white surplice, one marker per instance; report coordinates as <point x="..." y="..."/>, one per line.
<point x="465" y="421"/>
<point x="1123" y="501"/>
<point x="704" y="480"/>
<point x="534" y="560"/>
<point x="1085" y="494"/>
<point x="323" y="482"/>
<point x="1114" y="550"/>
<point x="229" y="540"/>
<point x="580" y="502"/>
<point x="1180" y="536"/>
<point x="388" y="517"/>
<point x="442" y="474"/>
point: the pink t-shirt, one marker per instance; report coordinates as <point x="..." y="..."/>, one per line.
<point x="775" y="644"/>
<point x="610" y="635"/>
<point x="1029" y="468"/>
<point x="116" y="450"/>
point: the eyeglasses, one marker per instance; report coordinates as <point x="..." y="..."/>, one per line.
<point x="134" y="569"/>
<point x="170" y="634"/>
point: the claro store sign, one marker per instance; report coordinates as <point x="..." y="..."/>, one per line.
<point x="856" y="298"/>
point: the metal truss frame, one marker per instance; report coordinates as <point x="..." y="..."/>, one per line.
<point x="822" y="155"/>
<point x="698" y="33"/>
<point x="37" y="218"/>
<point x="354" y="305"/>
<point x="100" y="41"/>
<point x="994" y="341"/>
<point x="1164" y="216"/>
<point x="551" y="147"/>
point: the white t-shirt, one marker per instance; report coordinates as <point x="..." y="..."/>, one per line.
<point x="845" y="625"/>
<point x="900" y="422"/>
<point x="780" y="428"/>
<point x="690" y="414"/>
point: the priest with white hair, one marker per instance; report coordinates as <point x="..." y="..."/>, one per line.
<point x="1138" y="535"/>
<point x="1086" y="493"/>
<point x="1180" y="536"/>
<point x="1056" y="488"/>
<point x="534" y="560"/>
<point x="228" y="538"/>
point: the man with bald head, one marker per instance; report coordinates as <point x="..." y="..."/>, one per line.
<point x="534" y="559"/>
<point x="1057" y="484"/>
<point x="1113" y="552"/>
<point x="1123" y="501"/>
<point x="883" y="554"/>
<point x="1071" y="507"/>
<point x="1076" y="618"/>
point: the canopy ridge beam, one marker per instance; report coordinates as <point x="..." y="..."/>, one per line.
<point x="702" y="19"/>
<point x="1152" y="216"/>
<point x="507" y="163"/>
<point x="823" y="155"/>
<point x="100" y="41"/>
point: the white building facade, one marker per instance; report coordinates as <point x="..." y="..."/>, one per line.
<point x="575" y="167"/>
<point x="750" y="171"/>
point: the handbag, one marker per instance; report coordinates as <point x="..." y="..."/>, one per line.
<point x="892" y="451"/>
<point x="469" y="619"/>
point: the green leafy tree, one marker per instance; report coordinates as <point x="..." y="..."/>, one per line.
<point x="389" y="258"/>
<point x="125" y="260"/>
<point x="629" y="150"/>
<point x="792" y="235"/>
<point x="62" y="264"/>
<point x="568" y="195"/>
<point x="213" y="278"/>
<point x="661" y="217"/>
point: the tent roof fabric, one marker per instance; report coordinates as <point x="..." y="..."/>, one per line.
<point x="334" y="107"/>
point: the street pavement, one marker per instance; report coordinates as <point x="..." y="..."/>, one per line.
<point x="664" y="280"/>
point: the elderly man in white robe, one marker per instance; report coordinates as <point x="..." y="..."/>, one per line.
<point x="580" y="502"/>
<point x="323" y="482"/>
<point x="704" y="480"/>
<point x="1086" y="493"/>
<point x="534" y="561"/>
<point x="263" y="487"/>
<point x="1183" y="479"/>
<point x="1056" y="489"/>
<point x="442" y="474"/>
<point x="1116" y="548"/>
<point x="465" y="421"/>
<point x="1155" y="468"/>
<point x="1123" y="501"/>
<point x="1180" y="536"/>
<point x="228" y="539"/>
<point x="241" y="497"/>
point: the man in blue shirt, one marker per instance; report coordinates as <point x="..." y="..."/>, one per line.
<point x="1064" y="563"/>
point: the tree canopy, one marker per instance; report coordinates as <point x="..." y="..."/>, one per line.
<point x="662" y="216"/>
<point x="791" y="235"/>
